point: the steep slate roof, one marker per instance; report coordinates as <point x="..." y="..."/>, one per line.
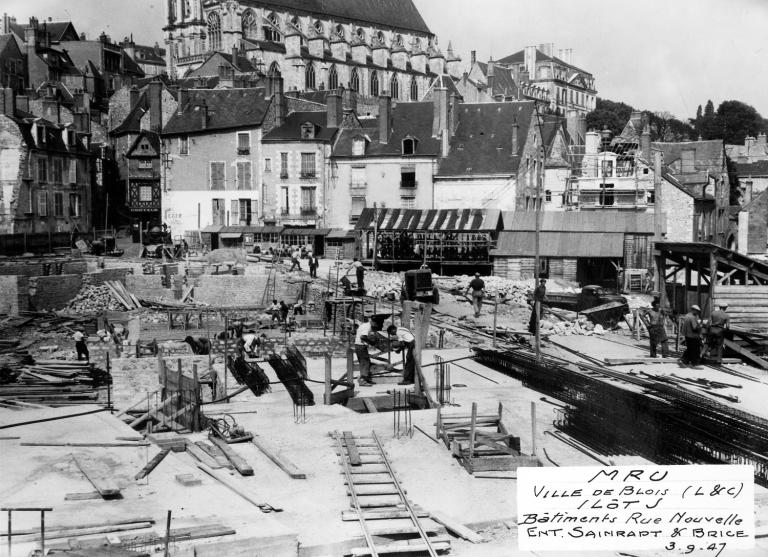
<point x="747" y="169"/>
<point x="132" y="122"/>
<point x="145" y="54"/>
<point x="400" y="14"/>
<point x="243" y="65"/>
<point x="291" y="129"/>
<point x="227" y="109"/>
<point x="57" y="30"/>
<point x="409" y="119"/>
<point x="519" y="58"/>
<point x="154" y="142"/>
<point x="482" y="144"/>
<point x="503" y="83"/>
<point x="5" y="40"/>
<point x="709" y="156"/>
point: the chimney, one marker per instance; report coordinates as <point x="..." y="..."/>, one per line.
<point x="157" y="49"/>
<point x="747" y="192"/>
<point x="133" y="93"/>
<point x="645" y="143"/>
<point x="81" y="122"/>
<point x="385" y="118"/>
<point x="22" y="103"/>
<point x="453" y="114"/>
<point x="51" y="110"/>
<point x="636" y="117"/>
<point x="515" y="137"/>
<point x="572" y="123"/>
<point x="761" y="143"/>
<point x="155" y="106"/>
<point x="582" y="129"/>
<point x="203" y="115"/>
<point x="749" y="143"/>
<point x="491" y="78"/>
<point x="278" y="97"/>
<point x="473" y="57"/>
<point x="592" y="143"/>
<point x="8" y="99"/>
<point x="334" y="110"/>
<point x="6" y="24"/>
<point x="440" y="111"/>
<point x="235" y="55"/>
<point x="183" y="97"/>
<point x="529" y="59"/>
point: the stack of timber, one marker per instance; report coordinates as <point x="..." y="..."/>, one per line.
<point x="391" y="524"/>
<point x="51" y="382"/>
<point x="481" y="442"/>
<point x="122" y="295"/>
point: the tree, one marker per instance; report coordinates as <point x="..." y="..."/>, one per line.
<point x="610" y="114"/>
<point x="737" y="120"/>
<point x="709" y="109"/>
<point x="698" y="114"/>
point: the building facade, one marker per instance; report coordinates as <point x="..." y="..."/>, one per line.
<point x="366" y="46"/>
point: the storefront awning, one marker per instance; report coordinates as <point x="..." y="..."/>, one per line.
<point x="435" y="220"/>
<point x="306" y="231"/>
<point x="230" y="235"/>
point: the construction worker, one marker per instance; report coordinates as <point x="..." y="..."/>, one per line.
<point x="404" y="340"/>
<point x="274" y="311"/>
<point x="539" y="295"/>
<point x="477" y="285"/>
<point x="313" y="265"/>
<point x="653" y="318"/>
<point x="719" y="321"/>
<point x="365" y="336"/>
<point x="249" y="343"/>
<point x="295" y="255"/>
<point x="357" y="266"/>
<point x="80" y="346"/>
<point x="200" y="346"/>
<point x="691" y="330"/>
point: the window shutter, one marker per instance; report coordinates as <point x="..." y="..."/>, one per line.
<point x="73" y="171"/>
<point x="254" y="208"/>
<point x="42" y="204"/>
<point x="247" y="175"/>
<point x="235" y="213"/>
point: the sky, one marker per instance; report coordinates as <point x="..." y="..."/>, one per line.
<point x="659" y="55"/>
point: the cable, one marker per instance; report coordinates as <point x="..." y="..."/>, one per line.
<point x="41" y="420"/>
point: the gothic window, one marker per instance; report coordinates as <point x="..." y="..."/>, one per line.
<point x="399" y="40"/>
<point x="380" y="38"/>
<point x="374" y="84"/>
<point x="309" y="77"/>
<point x="274" y="70"/>
<point x="360" y="34"/>
<point x="414" y="89"/>
<point x="272" y="29"/>
<point x="214" y="31"/>
<point x="394" y="87"/>
<point x="340" y="32"/>
<point x="171" y="11"/>
<point x="249" y="25"/>
<point x="354" y="81"/>
<point x="296" y="22"/>
<point x="319" y="29"/>
<point x="417" y="44"/>
<point x="333" y="78"/>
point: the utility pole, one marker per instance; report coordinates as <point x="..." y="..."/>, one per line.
<point x="537" y="257"/>
<point x="657" y="216"/>
<point x="375" y="232"/>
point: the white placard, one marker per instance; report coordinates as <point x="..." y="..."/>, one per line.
<point x="701" y="509"/>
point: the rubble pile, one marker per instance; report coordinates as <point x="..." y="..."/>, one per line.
<point x="94" y="299"/>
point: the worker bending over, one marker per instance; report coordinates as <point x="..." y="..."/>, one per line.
<point x="200" y="346"/>
<point x="404" y="340"/>
<point x="365" y="336"/>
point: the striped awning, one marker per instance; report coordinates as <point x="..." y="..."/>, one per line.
<point x="434" y="220"/>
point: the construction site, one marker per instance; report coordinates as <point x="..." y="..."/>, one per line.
<point x="206" y="421"/>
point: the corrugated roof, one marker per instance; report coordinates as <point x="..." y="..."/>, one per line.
<point x="559" y="244"/>
<point x="580" y="221"/>
<point x="227" y="109"/>
<point x="400" y="14"/>
<point x="435" y="220"/>
<point x="482" y="144"/>
<point x="340" y="235"/>
<point x="306" y="231"/>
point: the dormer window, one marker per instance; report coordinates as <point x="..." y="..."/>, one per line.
<point x="319" y="27"/>
<point x="358" y="146"/>
<point x="340" y="32"/>
<point x="308" y="130"/>
<point x="360" y="34"/>
<point x="40" y="132"/>
<point x="409" y="146"/>
<point x="296" y="22"/>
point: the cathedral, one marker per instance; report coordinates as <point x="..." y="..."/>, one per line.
<point x="372" y="47"/>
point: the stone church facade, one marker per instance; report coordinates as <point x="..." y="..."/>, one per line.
<point x="367" y="46"/>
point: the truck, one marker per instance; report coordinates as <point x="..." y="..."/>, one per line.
<point x="599" y="306"/>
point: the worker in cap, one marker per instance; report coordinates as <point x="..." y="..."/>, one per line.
<point x="653" y="318"/>
<point x="719" y="321"/>
<point x="691" y="330"/>
<point x="477" y="285"/>
<point x="540" y="296"/>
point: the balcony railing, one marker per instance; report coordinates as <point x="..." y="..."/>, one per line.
<point x="308" y="211"/>
<point x="408" y="185"/>
<point x="308" y="175"/>
<point x="243" y="150"/>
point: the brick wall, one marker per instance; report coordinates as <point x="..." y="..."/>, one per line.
<point x="98" y="277"/>
<point x="35" y="267"/>
<point x="146" y="286"/>
<point x="13" y="294"/>
<point x="53" y="292"/>
<point x="241" y="290"/>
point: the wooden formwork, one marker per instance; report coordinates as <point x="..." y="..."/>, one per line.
<point x="482" y="442"/>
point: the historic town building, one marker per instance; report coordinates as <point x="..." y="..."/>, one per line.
<point x="366" y="46"/>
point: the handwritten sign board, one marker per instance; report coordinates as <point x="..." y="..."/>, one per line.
<point x="680" y="509"/>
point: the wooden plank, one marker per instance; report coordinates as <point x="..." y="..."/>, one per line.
<point x="372" y="479"/>
<point x="100" y="524"/>
<point x="394" y="527"/>
<point x="187" y="533"/>
<point x="237" y="461"/>
<point x="374" y="489"/>
<point x="354" y="456"/>
<point x="373" y="501"/>
<point x="746" y="354"/>
<point x="275" y="456"/>
<point x="351" y="515"/>
<point x="402" y="547"/>
<point x="99" y="476"/>
<point x="202" y="456"/>
<point x="455" y="526"/>
<point x="143" y="444"/>
<point x="485" y="464"/>
<point x="82" y="496"/>
<point x="369" y="469"/>
<point x="152" y="464"/>
<point x="85" y="532"/>
<point x="214" y="452"/>
<point x="152" y="413"/>
<point x="369" y="405"/>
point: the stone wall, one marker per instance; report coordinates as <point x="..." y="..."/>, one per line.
<point x="146" y="286"/>
<point x="242" y="290"/>
<point x="37" y="267"/>
<point x="98" y="277"/>
<point x="14" y="296"/>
